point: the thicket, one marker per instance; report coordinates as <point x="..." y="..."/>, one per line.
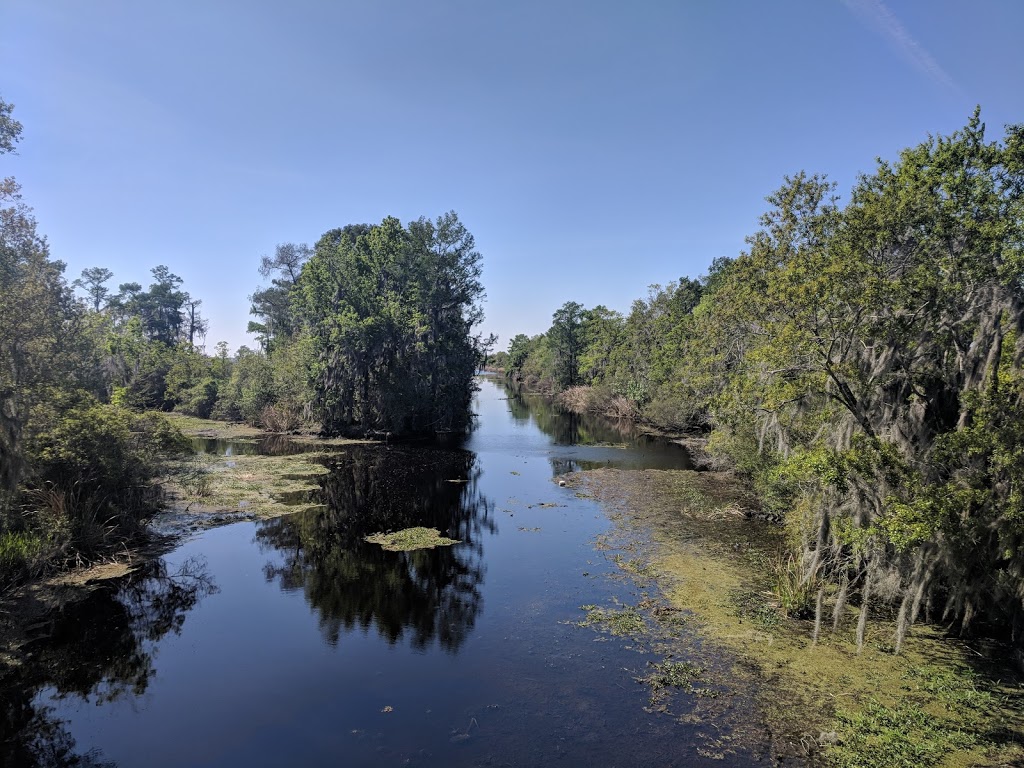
<point x="372" y="330"/>
<point x="861" y="364"/>
<point x="79" y="471"/>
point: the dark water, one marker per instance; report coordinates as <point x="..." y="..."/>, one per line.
<point x="294" y="642"/>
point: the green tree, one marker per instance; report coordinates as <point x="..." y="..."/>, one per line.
<point x="566" y="339"/>
<point x="92" y="282"/>
<point x="518" y="351"/>
<point x="273" y="304"/>
<point x="390" y="311"/>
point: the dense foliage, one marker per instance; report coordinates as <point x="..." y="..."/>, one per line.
<point x="78" y="472"/>
<point x="390" y="310"/>
<point x="862" y="364"/>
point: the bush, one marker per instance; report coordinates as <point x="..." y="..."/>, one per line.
<point x="281" y="417"/>
<point x="94" y="473"/>
<point x="199" y="399"/>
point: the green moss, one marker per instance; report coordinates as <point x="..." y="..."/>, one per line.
<point x="411" y="538"/>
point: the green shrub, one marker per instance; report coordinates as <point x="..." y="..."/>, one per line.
<point x="95" y="471"/>
<point x="199" y="399"/>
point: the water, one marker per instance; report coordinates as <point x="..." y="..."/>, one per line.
<point x="294" y="642"/>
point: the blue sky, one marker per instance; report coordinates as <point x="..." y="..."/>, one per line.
<point x="593" y="148"/>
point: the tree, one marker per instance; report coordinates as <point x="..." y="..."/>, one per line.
<point x="518" y="351"/>
<point x="38" y="317"/>
<point x="879" y="352"/>
<point x="195" y="323"/>
<point x="602" y="331"/>
<point x="273" y="305"/>
<point x="566" y="338"/>
<point x="10" y="129"/>
<point x="161" y="308"/>
<point x="390" y="311"/>
<point x="92" y="282"/>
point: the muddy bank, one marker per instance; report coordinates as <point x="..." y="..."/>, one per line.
<point x="940" y="702"/>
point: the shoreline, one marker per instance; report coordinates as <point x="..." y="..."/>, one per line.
<point x="940" y="699"/>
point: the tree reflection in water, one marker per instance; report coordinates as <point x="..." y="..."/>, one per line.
<point x="565" y="427"/>
<point x="431" y="594"/>
<point x="99" y="648"/>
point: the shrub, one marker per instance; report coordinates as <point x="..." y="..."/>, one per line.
<point x="94" y="473"/>
<point x="199" y="399"/>
<point x="281" y="417"/>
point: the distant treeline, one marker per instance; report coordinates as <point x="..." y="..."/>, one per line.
<point x="862" y="365"/>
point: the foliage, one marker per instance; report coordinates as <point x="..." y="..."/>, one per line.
<point x="861" y="365"/>
<point x="390" y="312"/>
<point x="77" y="475"/>
<point x="250" y="389"/>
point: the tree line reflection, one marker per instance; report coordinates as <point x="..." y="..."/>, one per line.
<point x="425" y="595"/>
<point x="99" y="648"/>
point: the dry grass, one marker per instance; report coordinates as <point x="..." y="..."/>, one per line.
<point x="590" y="400"/>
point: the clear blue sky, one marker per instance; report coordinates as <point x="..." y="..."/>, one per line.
<point x="593" y="148"/>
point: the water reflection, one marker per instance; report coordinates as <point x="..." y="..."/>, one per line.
<point x="588" y="441"/>
<point x="99" y="649"/>
<point x="265" y="445"/>
<point x="425" y="595"/>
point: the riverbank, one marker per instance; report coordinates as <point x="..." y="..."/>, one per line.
<point x="204" y="491"/>
<point x="940" y="702"/>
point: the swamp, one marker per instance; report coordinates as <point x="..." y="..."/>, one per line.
<point x="583" y="596"/>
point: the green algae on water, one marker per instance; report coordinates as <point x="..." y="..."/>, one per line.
<point x="409" y="539"/>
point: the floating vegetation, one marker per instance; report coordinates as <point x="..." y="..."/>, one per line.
<point x="635" y="566"/>
<point x="626" y="621"/>
<point x="671" y="674"/>
<point x="409" y="539"/>
<point x="261" y="485"/>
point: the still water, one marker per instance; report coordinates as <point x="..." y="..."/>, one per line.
<point x="293" y="642"/>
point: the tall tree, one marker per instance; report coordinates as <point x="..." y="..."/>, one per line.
<point x="566" y="338"/>
<point x="92" y="282"/>
<point x="391" y="311"/>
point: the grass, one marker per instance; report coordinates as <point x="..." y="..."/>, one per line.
<point x="928" y="706"/>
<point x="410" y="539"/>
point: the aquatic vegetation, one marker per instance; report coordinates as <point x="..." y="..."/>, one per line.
<point x="626" y="621"/>
<point x="671" y="674"/>
<point x="262" y="485"/>
<point x="409" y="539"/>
<point x="938" y="702"/>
